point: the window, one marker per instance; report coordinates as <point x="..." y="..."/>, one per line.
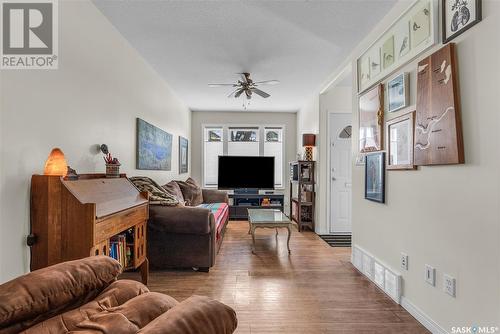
<point x="273" y="147"/>
<point x="241" y="141"/>
<point x="346" y="132"/>
<point x="213" y="147"/>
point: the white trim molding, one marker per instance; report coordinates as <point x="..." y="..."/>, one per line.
<point x="421" y="317"/>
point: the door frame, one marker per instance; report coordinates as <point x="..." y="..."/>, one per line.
<point x="329" y="172"/>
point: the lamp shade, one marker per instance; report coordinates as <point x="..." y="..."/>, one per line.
<point x="56" y="163"/>
<point x="308" y="139"/>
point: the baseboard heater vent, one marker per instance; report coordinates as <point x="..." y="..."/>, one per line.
<point x="387" y="279"/>
<point x="337" y="240"/>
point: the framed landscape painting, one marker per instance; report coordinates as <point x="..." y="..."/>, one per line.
<point x="375" y="177"/>
<point x="183" y="155"/>
<point x="154" y="147"/>
<point x="400" y="132"/>
<point x="458" y="16"/>
<point x="398" y="92"/>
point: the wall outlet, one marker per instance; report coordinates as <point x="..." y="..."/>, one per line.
<point x="449" y="285"/>
<point x="430" y="275"/>
<point x="404" y="261"/>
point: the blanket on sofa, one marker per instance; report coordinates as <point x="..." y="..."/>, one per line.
<point x="157" y="195"/>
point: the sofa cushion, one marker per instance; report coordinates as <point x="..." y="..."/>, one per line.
<point x="46" y="292"/>
<point x="191" y="192"/>
<point x="220" y="212"/>
<point x="116" y="294"/>
<point x="173" y="189"/>
<point x="197" y="314"/>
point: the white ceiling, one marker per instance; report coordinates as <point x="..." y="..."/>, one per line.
<point x="193" y="43"/>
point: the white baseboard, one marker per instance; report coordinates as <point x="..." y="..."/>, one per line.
<point x="421" y="317"/>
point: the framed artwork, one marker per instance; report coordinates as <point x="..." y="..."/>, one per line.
<point x="388" y="52"/>
<point x="438" y="125"/>
<point x="415" y="31"/>
<point x="154" y="147"/>
<point x="375" y="177"/>
<point x="398" y="92"/>
<point x="371" y="117"/>
<point x="399" y="132"/>
<point x="401" y="39"/>
<point x="375" y="62"/>
<point x="183" y="155"/>
<point x="420" y="26"/>
<point x="458" y="16"/>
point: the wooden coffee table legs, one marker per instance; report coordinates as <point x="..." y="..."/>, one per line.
<point x="253" y="227"/>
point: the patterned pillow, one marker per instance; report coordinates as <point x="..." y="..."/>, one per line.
<point x="157" y="195"/>
<point x="173" y="189"/>
<point x="191" y="192"/>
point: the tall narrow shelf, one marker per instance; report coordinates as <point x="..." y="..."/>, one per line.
<point x="302" y="193"/>
<point x="72" y="219"/>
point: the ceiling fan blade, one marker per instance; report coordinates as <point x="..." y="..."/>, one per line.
<point x="267" y="82"/>
<point x="234" y="91"/>
<point x="220" y="85"/>
<point x="239" y="93"/>
<point x="260" y="93"/>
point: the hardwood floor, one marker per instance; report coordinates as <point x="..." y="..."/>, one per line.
<point x="314" y="290"/>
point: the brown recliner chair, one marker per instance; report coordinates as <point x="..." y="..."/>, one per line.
<point x="84" y="296"/>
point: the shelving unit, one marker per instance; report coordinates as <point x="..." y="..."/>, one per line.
<point x="302" y="193"/>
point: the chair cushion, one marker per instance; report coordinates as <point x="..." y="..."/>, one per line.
<point x="45" y="292"/>
<point x="191" y="192"/>
<point x="220" y="212"/>
<point x="173" y="189"/>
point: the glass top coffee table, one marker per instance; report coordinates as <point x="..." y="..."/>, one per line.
<point x="268" y="218"/>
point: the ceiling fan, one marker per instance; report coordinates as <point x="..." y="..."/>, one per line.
<point x="247" y="86"/>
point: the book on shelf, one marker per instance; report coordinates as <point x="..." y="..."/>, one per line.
<point x="120" y="250"/>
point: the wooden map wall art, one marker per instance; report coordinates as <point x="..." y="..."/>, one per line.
<point x="438" y="126"/>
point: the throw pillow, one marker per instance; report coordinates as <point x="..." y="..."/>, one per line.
<point x="173" y="189"/>
<point x="191" y="192"/>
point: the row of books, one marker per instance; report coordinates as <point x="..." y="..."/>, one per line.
<point x="120" y="250"/>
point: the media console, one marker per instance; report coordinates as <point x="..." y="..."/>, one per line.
<point x="239" y="202"/>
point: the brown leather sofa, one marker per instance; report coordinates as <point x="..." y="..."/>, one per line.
<point x="188" y="235"/>
<point x="84" y="296"/>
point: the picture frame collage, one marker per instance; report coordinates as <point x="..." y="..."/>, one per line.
<point x="429" y="133"/>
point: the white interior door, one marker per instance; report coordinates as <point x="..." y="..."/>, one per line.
<point x="340" y="175"/>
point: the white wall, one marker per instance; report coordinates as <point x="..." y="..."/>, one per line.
<point x="446" y="216"/>
<point x="334" y="100"/>
<point x="308" y="120"/>
<point x="101" y="86"/>
<point x="289" y="120"/>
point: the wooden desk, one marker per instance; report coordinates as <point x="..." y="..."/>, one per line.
<point x="76" y="219"/>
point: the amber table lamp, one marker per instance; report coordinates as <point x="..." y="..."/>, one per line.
<point x="56" y="163"/>
<point x="308" y="142"/>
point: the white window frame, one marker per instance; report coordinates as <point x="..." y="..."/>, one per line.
<point x="225" y="135"/>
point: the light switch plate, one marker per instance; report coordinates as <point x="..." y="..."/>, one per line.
<point x="449" y="285"/>
<point x="430" y="275"/>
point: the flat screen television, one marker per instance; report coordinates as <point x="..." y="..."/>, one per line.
<point x="236" y="172"/>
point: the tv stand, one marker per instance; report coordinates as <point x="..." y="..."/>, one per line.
<point x="239" y="203"/>
<point x="243" y="191"/>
